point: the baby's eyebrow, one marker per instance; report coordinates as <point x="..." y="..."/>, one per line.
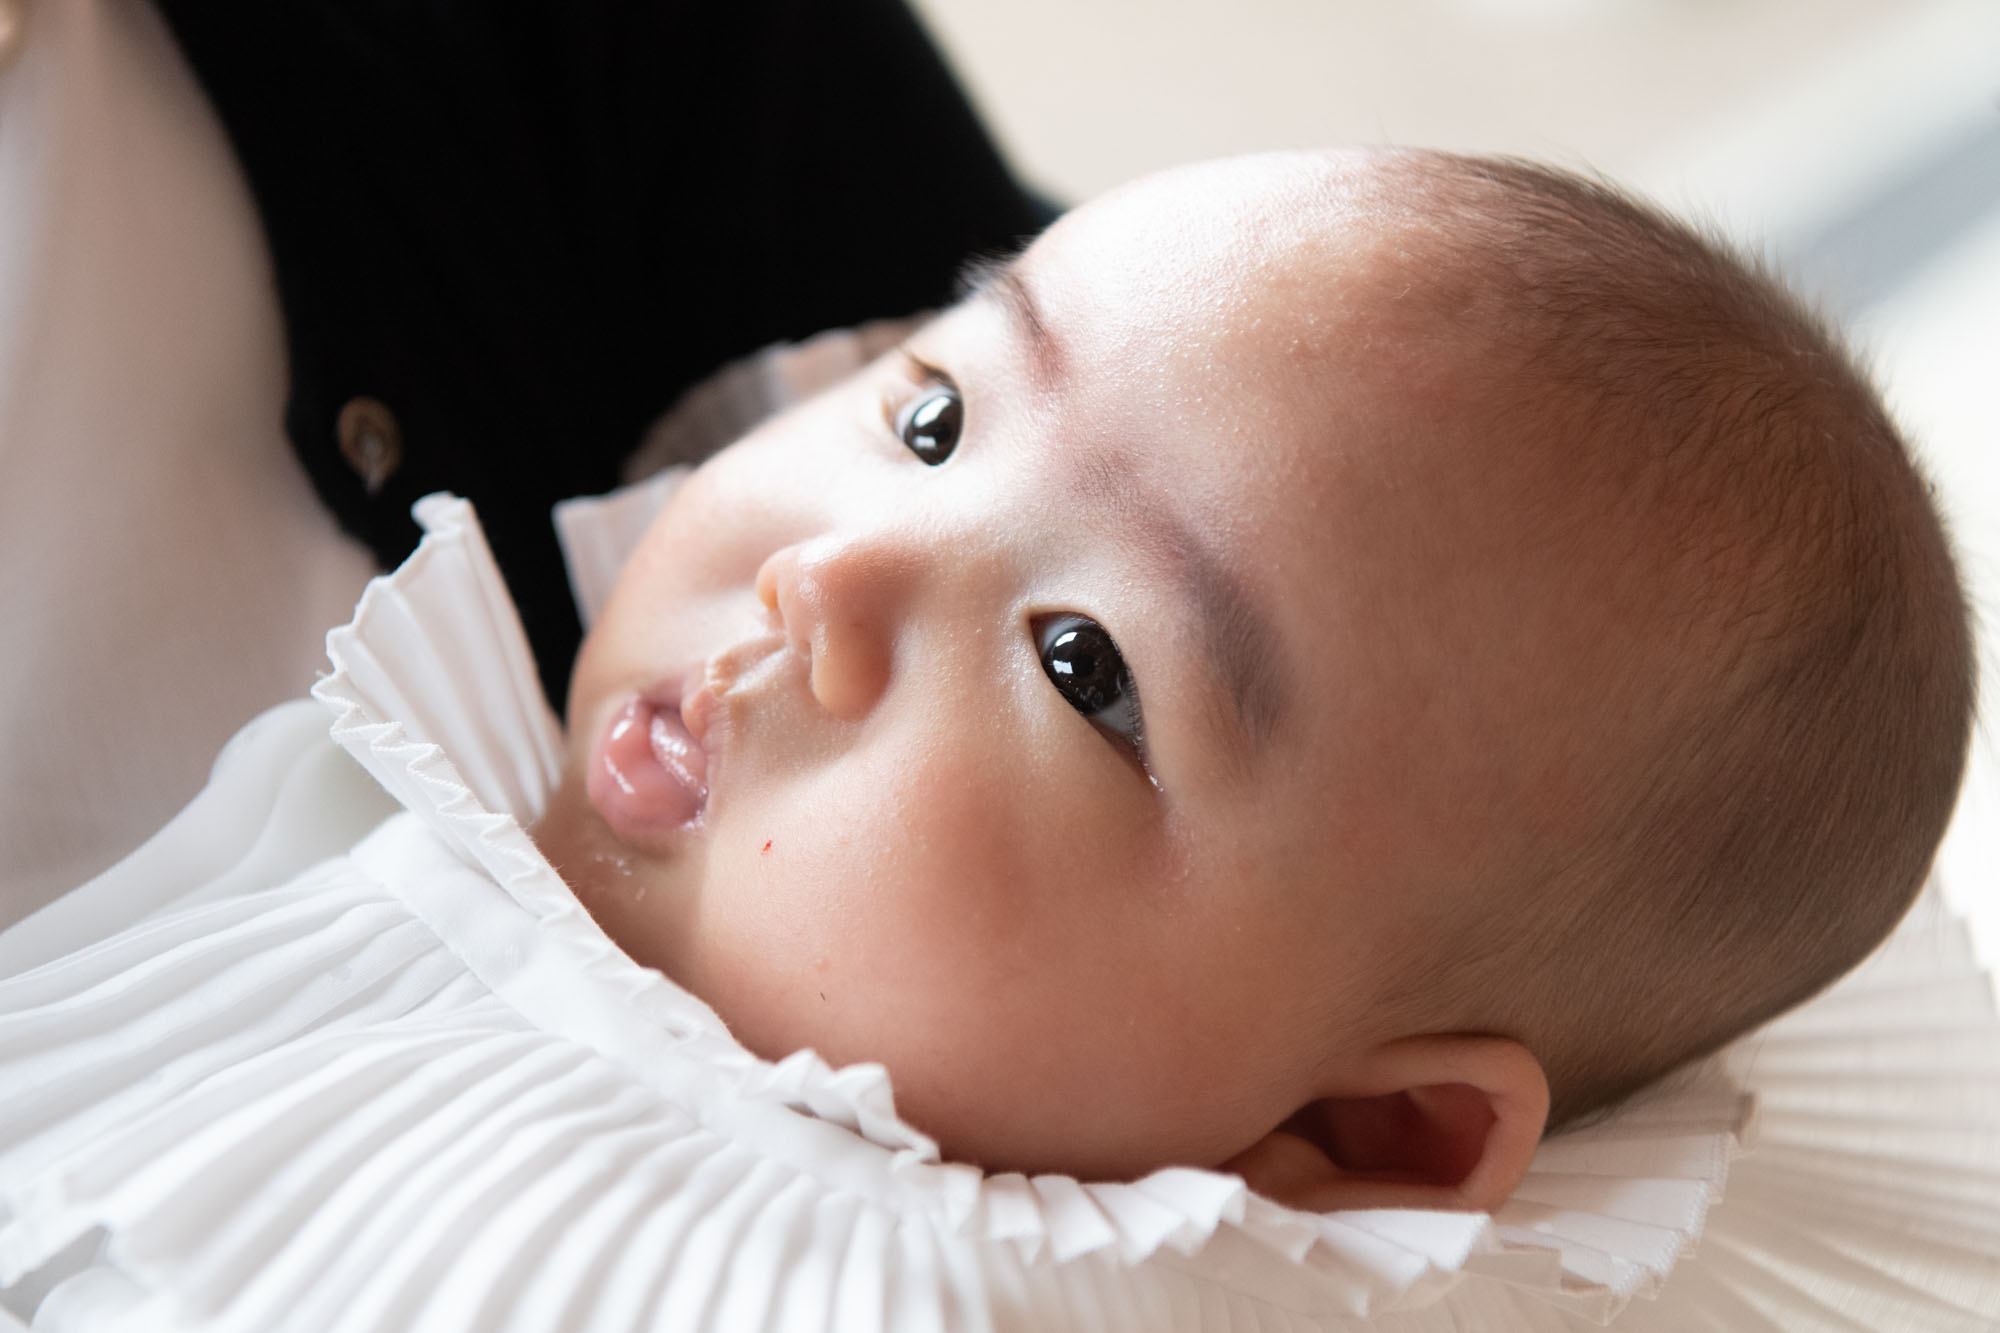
<point x="1238" y="637"/>
<point x="998" y="278"/>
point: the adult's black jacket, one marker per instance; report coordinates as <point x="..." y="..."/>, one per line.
<point x="525" y="227"/>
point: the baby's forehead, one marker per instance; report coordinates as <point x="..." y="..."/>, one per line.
<point x="1306" y="227"/>
<point x="1308" y="315"/>
<point x="1299" y="318"/>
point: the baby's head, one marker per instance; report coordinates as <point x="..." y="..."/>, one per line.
<point x="1319" y="662"/>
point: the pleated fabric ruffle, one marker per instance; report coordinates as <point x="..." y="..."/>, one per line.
<point x="1869" y="1197"/>
<point x="309" y="1107"/>
<point x="416" y="1087"/>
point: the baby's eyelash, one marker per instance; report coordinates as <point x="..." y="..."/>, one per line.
<point x="914" y="375"/>
<point x="928" y="373"/>
<point x="1087" y="667"/>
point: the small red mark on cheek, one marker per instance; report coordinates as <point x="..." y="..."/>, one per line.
<point x="765" y="848"/>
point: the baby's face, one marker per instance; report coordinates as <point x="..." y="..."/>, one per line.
<point x="1051" y="712"/>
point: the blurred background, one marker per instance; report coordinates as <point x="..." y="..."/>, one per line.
<point x="1854" y="143"/>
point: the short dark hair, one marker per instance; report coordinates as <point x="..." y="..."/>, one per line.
<point x="1773" y="830"/>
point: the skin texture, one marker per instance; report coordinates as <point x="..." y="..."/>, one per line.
<point x="1072" y="954"/>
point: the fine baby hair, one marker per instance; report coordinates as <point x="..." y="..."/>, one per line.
<point x="1783" y="632"/>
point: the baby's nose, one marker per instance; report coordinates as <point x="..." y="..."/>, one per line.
<point x="842" y="602"/>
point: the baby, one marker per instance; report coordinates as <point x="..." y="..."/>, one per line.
<point x="1409" y="648"/>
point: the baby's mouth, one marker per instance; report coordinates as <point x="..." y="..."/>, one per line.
<point x="650" y="770"/>
<point x="648" y="774"/>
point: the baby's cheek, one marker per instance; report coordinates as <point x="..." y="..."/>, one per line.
<point x="902" y="911"/>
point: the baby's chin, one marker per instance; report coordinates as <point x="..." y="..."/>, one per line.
<point x="631" y="894"/>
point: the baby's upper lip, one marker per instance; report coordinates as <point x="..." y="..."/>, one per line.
<point x="703" y="690"/>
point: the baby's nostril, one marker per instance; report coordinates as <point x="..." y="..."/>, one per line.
<point x="767" y="584"/>
<point x="784" y="587"/>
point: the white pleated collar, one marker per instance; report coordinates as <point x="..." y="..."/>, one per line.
<point x="435" y="694"/>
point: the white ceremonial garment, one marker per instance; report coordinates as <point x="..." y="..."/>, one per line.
<point x="415" y="1087"/>
<point x="155" y="525"/>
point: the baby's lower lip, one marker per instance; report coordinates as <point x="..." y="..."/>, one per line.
<point x="648" y="776"/>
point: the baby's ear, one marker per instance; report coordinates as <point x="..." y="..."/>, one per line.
<point x="1424" y="1122"/>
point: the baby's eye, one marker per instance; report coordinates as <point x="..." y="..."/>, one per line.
<point x="1090" y="673"/>
<point x="930" y="422"/>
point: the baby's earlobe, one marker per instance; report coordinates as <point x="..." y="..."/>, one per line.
<point x="1454" y="1125"/>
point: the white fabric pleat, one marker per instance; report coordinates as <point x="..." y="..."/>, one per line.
<point x="598" y="532"/>
<point x="415" y="1087"/>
